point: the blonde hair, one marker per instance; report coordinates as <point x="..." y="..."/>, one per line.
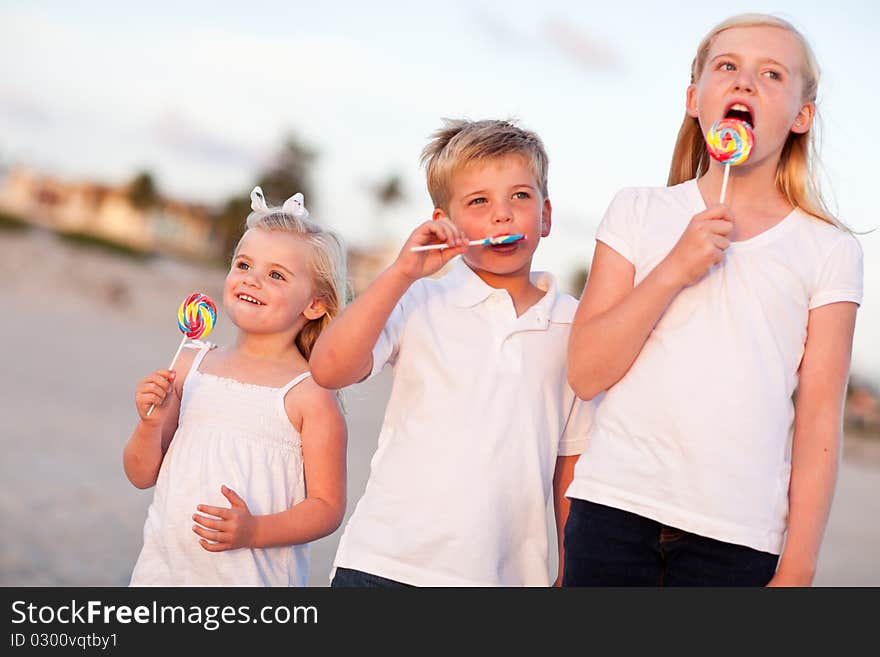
<point x="327" y="266"/>
<point x="461" y="142"/>
<point x="796" y="175"/>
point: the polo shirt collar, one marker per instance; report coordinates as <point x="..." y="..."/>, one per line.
<point x="466" y="289"/>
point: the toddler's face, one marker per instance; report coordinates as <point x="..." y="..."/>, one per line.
<point x="269" y="287"/>
<point x="754" y="73"/>
<point x="494" y="198"/>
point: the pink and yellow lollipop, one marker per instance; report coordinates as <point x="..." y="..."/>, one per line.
<point x="196" y="316"/>
<point x="195" y="319"/>
<point x="730" y="141"/>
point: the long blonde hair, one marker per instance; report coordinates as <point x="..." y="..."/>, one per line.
<point x="796" y="175"/>
<point x="328" y="266"/>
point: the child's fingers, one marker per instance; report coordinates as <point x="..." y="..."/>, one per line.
<point x="154" y="388"/>
<point x="720" y="242"/>
<point x="440" y="232"/>
<point x="720" y="226"/>
<point x="150" y="399"/>
<point x="213" y="547"/>
<point x="209" y="523"/>
<point x="454" y="235"/>
<point x="211" y="534"/>
<point x="716" y="211"/>
<point x="448" y="254"/>
<point x="232" y="496"/>
<point x="218" y="511"/>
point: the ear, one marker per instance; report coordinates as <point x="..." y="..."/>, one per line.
<point x="439" y="214"/>
<point x="315" y="310"/>
<point x="690" y="101"/>
<point x="804" y="119"/>
<point x="546" y="218"/>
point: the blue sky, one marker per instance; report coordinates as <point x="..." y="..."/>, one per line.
<point x="201" y="92"/>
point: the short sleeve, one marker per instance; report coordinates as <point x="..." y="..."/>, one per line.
<point x="388" y="344"/>
<point x="580" y="419"/>
<point x="840" y="277"/>
<point x="617" y="228"/>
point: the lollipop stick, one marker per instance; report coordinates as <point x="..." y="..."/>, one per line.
<point x="170" y="367"/>
<point x="724" y="181"/>
<point x="486" y="241"/>
<point x="432" y="247"/>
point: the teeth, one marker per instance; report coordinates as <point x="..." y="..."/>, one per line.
<point x="739" y="107"/>
<point x="245" y="297"/>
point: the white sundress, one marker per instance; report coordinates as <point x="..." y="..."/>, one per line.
<point x="234" y="434"/>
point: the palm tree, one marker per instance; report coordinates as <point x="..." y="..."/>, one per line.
<point x="288" y="172"/>
<point x="143" y="192"/>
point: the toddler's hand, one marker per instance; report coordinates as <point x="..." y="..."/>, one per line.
<point x="152" y="391"/>
<point x="702" y="244"/>
<point x="234" y="529"/>
<point x="424" y="263"/>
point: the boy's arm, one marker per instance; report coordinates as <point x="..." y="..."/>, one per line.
<point x="817" y="439"/>
<point x="562" y="477"/>
<point x="614" y="318"/>
<point x="343" y="353"/>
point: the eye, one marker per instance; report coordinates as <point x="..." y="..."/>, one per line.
<point x="523" y="196"/>
<point x="276" y="275"/>
<point x="726" y="66"/>
<point x="480" y="200"/>
<point x="773" y="75"/>
<point x="242" y="265"/>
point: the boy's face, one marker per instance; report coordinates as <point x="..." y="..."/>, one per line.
<point x="499" y="197"/>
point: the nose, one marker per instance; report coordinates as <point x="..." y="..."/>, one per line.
<point x="744" y="81"/>
<point x="503" y="213"/>
<point x="250" y="278"/>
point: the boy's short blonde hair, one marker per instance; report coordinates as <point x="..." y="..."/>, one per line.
<point x="460" y="143"/>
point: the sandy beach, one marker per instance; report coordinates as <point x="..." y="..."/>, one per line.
<point x="81" y="326"/>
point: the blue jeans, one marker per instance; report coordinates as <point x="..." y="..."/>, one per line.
<point x="348" y="578"/>
<point x="605" y="546"/>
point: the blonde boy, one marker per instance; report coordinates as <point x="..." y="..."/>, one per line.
<point x="481" y="426"/>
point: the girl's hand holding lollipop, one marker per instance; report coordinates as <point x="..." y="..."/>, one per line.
<point x="195" y="318"/>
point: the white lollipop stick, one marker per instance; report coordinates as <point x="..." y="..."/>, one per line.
<point x="724" y="181"/>
<point x="170" y="367"/>
<point x="487" y="241"/>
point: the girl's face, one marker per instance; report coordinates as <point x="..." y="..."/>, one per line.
<point x="269" y="287"/>
<point x="754" y="73"/>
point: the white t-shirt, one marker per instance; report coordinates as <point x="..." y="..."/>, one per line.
<point x="696" y="435"/>
<point x="479" y="410"/>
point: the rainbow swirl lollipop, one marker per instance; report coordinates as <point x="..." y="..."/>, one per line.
<point x="730" y="141"/>
<point x="195" y="319"/>
<point x="196" y="316"/>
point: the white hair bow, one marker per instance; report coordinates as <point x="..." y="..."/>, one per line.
<point x="295" y="205"/>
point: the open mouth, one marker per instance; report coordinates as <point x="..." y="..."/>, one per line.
<point x="741" y="112"/>
<point x="250" y="299"/>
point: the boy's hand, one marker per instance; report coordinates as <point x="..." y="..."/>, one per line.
<point x="152" y="391"/>
<point x="702" y="244"/>
<point x="424" y="263"/>
<point x="234" y="530"/>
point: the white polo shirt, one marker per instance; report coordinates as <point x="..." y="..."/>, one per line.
<point x="479" y="410"/>
<point x="696" y="435"/>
